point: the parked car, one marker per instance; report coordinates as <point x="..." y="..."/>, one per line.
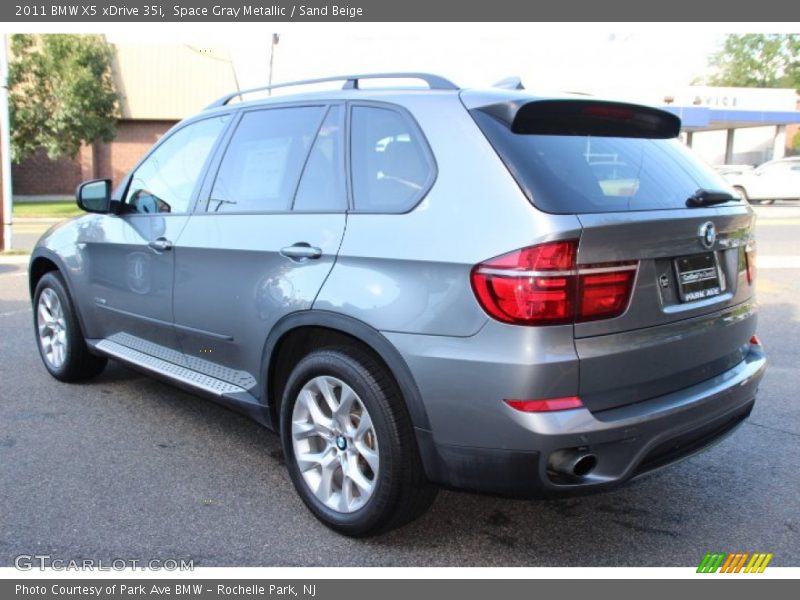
<point x="726" y="170"/>
<point x="773" y="180"/>
<point x="421" y="288"/>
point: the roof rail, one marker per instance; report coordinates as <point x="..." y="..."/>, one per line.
<point x="435" y="82"/>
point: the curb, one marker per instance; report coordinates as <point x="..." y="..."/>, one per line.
<point x="15" y="259"/>
<point x="38" y="220"/>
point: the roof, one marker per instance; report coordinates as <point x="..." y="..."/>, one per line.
<point x="169" y="81"/>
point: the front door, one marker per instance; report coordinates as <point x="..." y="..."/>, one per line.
<point x="129" y="256"/>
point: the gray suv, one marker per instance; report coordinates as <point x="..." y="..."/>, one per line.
<point x="419" y="287"/>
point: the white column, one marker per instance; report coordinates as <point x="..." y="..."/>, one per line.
<point x="779" y="142"/>
<point x="5" y="144"/>
<point x="729" y="146"/>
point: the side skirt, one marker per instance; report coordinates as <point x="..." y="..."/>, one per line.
<point x="222" y="392"/>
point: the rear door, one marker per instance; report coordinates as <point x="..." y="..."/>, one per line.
<point x="689" y="313"/>
<point x="263" y="238"/>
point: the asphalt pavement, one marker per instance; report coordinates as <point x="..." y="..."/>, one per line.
<point x="127" y="467"/>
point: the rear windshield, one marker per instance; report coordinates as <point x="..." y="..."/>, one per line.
<point x="568" y="174"/>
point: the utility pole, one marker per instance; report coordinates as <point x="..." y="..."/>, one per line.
<point x="275" y="39"/>
<point x="5" y="149"/>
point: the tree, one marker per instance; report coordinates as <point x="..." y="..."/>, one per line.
<point x="61" y="94"/>
<point x="757" y="60"/>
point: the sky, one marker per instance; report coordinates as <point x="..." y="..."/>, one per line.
<point x="570" y="57"/>
<point x="591" y="57"/>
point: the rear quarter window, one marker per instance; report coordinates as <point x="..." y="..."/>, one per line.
<point x="391" y="165"/>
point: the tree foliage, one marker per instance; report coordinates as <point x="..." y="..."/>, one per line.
<point x="61" y="93"/>
<point x="757" y="60"/>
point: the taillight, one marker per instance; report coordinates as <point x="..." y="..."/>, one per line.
<point x="604" y="292"/>
<point x="549" y="405"/>
<point x="543" y="285"/>
<point x="531" y="286"/>
<point x="750" y="260"/>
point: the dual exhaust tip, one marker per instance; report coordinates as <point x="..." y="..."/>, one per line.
<point x="572" y="464"/>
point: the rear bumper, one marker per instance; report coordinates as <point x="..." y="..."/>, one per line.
<point x="626" y="441"/>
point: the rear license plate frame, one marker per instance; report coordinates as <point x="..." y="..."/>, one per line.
<point x="698" y="276"/>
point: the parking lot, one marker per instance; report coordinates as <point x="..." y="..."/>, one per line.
<point x="127" y="467"/>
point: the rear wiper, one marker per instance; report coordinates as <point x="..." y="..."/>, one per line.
<point x="708" y="197"/>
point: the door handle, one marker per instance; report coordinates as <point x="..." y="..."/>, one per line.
<point x="160" y="244"/>
<point x="301" y="251"/>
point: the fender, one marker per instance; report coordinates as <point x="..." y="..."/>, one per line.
<point x="362" y="332"/>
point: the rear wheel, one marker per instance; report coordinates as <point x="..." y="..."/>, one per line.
<point x="349" y="444"/>
<point x="58" y="334"/>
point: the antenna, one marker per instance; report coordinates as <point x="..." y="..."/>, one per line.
<point x="510" y="83"/>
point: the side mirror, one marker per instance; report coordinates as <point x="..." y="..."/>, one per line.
<point x="95" y="196"/>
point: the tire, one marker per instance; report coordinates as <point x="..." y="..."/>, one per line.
<point x="58" y="333"/>
<point x="379" y="474"/>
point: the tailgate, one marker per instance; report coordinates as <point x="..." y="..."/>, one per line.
<point x="678" y="330"/>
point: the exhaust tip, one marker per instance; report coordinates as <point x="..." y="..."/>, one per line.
<point x="571" y="464"/>
<point x="584" y="465"/>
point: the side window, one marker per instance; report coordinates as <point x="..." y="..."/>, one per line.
<point x="263" y="161"/>
<point x="322" y="183"/>
<point x="391" y="168"/>
<point x="164" y="182"/>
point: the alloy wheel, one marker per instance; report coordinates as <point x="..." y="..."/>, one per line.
<point x="52" y="326"/>
<point x="334" y="443"/>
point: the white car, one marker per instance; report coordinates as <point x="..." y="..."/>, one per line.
<point x="774" y="180"/>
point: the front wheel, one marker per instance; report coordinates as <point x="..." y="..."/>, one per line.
<point x="349" y="444"/>
<point x="58" y="334"/>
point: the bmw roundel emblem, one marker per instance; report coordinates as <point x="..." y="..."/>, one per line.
<point x="708" y="234"/>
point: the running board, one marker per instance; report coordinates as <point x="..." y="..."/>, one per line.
<point x="168" y="370"/>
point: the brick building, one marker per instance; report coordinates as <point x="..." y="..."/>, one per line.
<point x="158" y="85"/>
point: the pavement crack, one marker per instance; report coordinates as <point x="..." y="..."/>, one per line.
<point x="645" y="529"/>
<point x="15" y="312"/>
<point x="771" y="428"/>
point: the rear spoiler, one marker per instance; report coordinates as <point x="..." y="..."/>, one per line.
<point x="585" y="117"/>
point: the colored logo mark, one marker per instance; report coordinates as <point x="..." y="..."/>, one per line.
<point x="737" y="562"/>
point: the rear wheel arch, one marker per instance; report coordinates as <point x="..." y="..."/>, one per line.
<point x="297" y="334"/>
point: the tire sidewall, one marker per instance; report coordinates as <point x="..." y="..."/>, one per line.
<point x="345" y="368"/>
<point x="53" y="282"/>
